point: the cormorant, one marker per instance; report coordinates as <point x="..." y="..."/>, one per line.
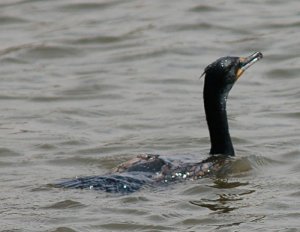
<point x="150" y="169"/>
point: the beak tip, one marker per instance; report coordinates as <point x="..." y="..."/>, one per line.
<point x="259" y="55"/>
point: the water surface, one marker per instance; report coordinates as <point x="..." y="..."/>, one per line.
<point x="87" y="84"/>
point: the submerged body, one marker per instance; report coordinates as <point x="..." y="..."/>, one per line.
<point x="147" y="169"/>
<point x="130" y="176"/>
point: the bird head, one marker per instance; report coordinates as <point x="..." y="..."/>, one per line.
<point x="223" y="73"/>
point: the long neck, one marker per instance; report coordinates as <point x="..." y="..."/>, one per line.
<point x="216" y="116"/>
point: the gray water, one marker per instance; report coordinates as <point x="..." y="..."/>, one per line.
<point x="86" y="85"/>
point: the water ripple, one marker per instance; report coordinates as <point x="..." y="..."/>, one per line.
<point x="88" y="6"/>
<point x="7" y="20"/>
<point x="65" y="205"/>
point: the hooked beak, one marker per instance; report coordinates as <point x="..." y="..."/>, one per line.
<point x="247" y="62"/>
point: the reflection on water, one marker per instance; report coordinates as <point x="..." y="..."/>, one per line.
<point x="224" y="203"/>
<point x="220" y="183"/>
<point x="86" y="85"/>
<point x="218" y="205"/>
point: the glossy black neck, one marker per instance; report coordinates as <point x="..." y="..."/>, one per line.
<point x="216" y="116"/>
